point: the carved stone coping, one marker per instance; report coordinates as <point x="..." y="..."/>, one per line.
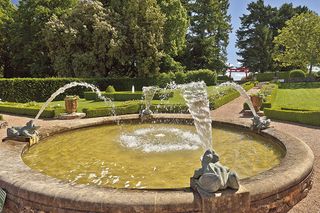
<point x="276" y="189"/>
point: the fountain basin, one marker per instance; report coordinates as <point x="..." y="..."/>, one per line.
<point x="278" y="188"/>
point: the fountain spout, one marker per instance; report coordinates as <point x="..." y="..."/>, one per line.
<point x="212" y="176"/>
<point x="258" y="123"/>
<point x="148" y="94"/>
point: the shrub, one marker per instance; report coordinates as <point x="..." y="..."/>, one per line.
<point x="165" y="78"/>
<point x="1" y="117"/>
<point x="305" y="117"/>
<point x="297" y="74"/>
<point x="125" y="108"/>
<point x="208" y="76"/>
<point x="180" y="77"/>
<point x="110" y="89"/>
<point x="22" y="109"/>
<point x="269" y="76"/>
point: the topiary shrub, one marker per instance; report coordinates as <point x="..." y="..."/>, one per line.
<point x="297" y="74"/>
<point x="110" y="89"/>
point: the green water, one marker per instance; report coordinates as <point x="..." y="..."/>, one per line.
<point x="145" y="155"/>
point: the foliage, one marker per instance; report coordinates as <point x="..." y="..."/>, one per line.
<point x="141" y="25"/>
<point x="297" y="74"/>
<point x="269" y="76"/>
<point x="208" y="34"/>
<point x="169" y="64"/>
<point x="30" y="55"/>
<point x="225" y="95"/>
<point x="298" y="42"/>
<point x="25" y="109"/>
<point x="175" y="26"/>
<point x="257" y="31"/>
<point x="180" y="77"/>
<point x="165" y="78"/>
<point x="40" y="89"/>
<point x="6" y="17"/>
<point x="1" y="117"/>
<point x="128" y="107"/>
<point x="208" y="76"/>
<point x="110" y="89"/>
<point x="304" y="117"/>
<point x="126" y="95"/>
<point x="83" y="45"/>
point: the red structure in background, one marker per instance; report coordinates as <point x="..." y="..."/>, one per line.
<point x="239" y="69"/>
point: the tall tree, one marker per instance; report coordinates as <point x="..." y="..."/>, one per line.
<point x="257" y="31"/>
<point x="208" y="34"/>
<point x="174" y="33"/>
<point x="298" y="42"/>
<point x="7" y="10"/>
<point x="83" y="43"/>
<point x="141" y="23"/>
<point x="27" y="43"/>
<point x="175" y="27"/>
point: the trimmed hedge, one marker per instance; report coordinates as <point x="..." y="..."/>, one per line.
<point x="30" y="111"/>
<point x="301" y="85"/>
<point x="269" y="76"/>
<point x="24" y="90"/>
<point x="304" y="117"/>
<point x="126" y="96"/>
<point x="126" y="108"/>
<point x="1" y="117"/>
<point x="218" y="102"/>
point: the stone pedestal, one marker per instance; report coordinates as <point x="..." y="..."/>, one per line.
<point x="75" y="115"/>
<point x="224" y="201"/>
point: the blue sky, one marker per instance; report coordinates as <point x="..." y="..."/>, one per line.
<point x="238" y="7"/>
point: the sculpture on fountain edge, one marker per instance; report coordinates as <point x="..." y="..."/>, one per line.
<point x="213" y="176"/>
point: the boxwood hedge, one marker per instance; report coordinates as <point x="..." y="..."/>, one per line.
<point x="24" y="90"/>
<point x="305" y="117"/>
<point x="30" y="110"/>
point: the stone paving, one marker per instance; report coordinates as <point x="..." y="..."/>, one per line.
<point x="232" y="111"/>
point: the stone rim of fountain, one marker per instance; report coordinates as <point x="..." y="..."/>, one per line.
<point x="292" y="176"/>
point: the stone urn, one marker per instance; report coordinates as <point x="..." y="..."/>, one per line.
<point x="256" y="102"/>
<point x="71" y="104"/>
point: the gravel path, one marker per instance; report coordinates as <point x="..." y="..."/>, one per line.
<point x="232" y="111"/>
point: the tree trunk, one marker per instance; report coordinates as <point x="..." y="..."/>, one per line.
<point x="310" y="69"/>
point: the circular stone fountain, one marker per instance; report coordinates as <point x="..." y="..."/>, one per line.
<point x="120" y="169"/>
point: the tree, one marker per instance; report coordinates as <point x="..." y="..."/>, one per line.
<point x="298" y="42"/>
<point x="257" y="31"/>
<point x="174" y="33"/>
<point x="141" y="23"/>
<point x="30" y="53"/>
<point x="175" y="27"/>
<point x="83" y="43"/>
<point x="208" y="34"/>
<point x="7" y="10"/>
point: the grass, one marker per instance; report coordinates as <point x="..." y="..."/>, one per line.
<point x="298" y="99"/>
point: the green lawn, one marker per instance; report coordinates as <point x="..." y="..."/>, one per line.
<point x="298" y="99"/>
